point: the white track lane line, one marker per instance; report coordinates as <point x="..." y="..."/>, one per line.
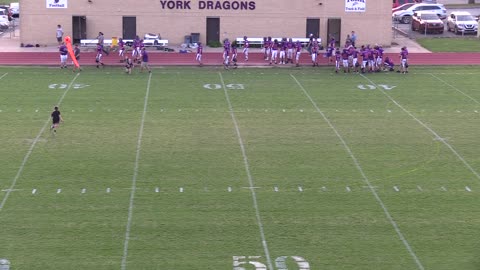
<point x="134" y="178"/>
<point x="455" y="88"/>
<point x="32" y="146"/>
<point x="249" y="176"/>
<point x="437" y="137"/>
<point x="364" y="176"/>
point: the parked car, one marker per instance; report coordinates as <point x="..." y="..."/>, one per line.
<point x="427" y="22"/>
<point x="462" y="22"/>
<point x="405" y="16"/>
<point x="402" y="7"/>
<point x="8" y="12"/>
<point x="15" y="8"/>
<point x="397" y="3"/>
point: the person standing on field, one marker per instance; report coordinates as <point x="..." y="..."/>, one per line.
<point x="59" y="34"/>
<point x="101" y="40"/>
<point x="56" y="119"/>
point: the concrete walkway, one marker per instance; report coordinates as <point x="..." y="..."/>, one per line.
<point x="10" y="42"/>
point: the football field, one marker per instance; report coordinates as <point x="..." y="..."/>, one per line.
<point x="248" y="169"/>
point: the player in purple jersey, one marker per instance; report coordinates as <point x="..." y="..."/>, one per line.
<point x="198" y="58"/>
<point x="145" y="59"/>
<point x="364" y="52"/>
<point x="290" y="48"/>
<point x="274" y="49"/>
<point x="98" y="57"/>
<point x="283" y="49"/>
<point x="136" y="48"/>
<point x="63" y="55"/>
<point x="338" y="59"/>
<point x="379" y="57"/>
<point x="226" y="53"/>
<point x="269" y="48"/>
<point x="388" y="64"/>
<point x="314" y="52"/>
<point x="376" y="67"/>
<point x="246" y="46"/>
<point x="354" y="54"/>
<point x="121" y="49"/>
<point x="404" y="60"/>
<point x="345" y="61"/>
<point x="265" y="48"/>
<point x="330" y="53"/>
<point x="234" y="54"/>
<point x="298" y="51"/>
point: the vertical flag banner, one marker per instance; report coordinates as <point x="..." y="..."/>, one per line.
<point x="68" y="42"/>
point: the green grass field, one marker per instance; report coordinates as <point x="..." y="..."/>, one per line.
<point x="252" y="169"/>
<point x="467" y="44"/>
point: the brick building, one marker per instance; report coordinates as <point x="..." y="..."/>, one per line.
<point x="213" y="20"/>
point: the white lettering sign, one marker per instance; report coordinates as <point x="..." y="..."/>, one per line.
<point x="57" y="3"/>
<point x="355" y="5"/>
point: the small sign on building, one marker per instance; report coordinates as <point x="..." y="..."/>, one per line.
<point x="355" y="5"/>
<point x="57" y="3"/>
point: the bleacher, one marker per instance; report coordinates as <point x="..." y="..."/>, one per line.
<point x="259" y="41"/>
<point x="128" y="42"/>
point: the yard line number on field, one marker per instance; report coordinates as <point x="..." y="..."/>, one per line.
<point x="364" y="176"/>
<point x="249" y="175"/>
<point x="435" y="134"/>
<point x="32" y="146"/>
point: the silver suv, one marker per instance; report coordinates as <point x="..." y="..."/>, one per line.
<point x="405" y="16"/>
<point x="462" y="22"/>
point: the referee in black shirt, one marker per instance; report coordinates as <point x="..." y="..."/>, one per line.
<point x="56" y="118"/>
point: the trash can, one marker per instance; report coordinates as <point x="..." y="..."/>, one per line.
<point x="114" y="41"/>
<point x="188" y="39"/>
<point x="195" y="37"/>
<point x="4" y="264"/>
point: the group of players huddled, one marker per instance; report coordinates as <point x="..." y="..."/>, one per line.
<point x="350" y="58"/>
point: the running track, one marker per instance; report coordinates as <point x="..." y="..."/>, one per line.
<point x="215" y="59"/>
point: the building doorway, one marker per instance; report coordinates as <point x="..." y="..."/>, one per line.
<point x="213" y="30"/>
<point x="334" y="30"/>
<point x="313" y="27"/>
<point x="129" y="27"/>
<point x="79" y="28"/>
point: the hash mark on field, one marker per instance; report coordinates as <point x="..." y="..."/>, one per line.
<point x="34" y="191"/>
<point x="84" y="190"/>
<point x="275" y="188"/>
<point x="108" y="190"/>
<point x="36" y="110"/>
<point x="396" y="188"/>
<point x="157" y="189"/>
<point x="300" y="189"/>
<point x="181" y="190"/>
<point x="419" y="188"/>
<point x="476" y="111"/>
<point x="467" y="188"/>
<point x="458" y="111"/>
<point x="59" y="190"/>
<point x="443" y="189"/>
<point x="389" y="111"/>
<point x="324" y="188"/>
<point x="348" y="189"/>
<point x="371" y="110"/>
<point x="229" y="189"/>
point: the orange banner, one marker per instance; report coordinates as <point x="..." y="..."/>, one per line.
<point x="68" y="42"/>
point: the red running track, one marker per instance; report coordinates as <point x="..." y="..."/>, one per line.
<point x="215" y="59"/>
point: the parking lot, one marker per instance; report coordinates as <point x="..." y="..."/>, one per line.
<point x="406" y="28"/>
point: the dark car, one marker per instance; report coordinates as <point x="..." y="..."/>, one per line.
<point x="427" y="22"/>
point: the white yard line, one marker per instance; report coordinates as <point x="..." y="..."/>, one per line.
<point x="455" y="88"/>
<point x="364" y="176"/>
<point x="437" y="137"/>
<point x="134" y="178"/>
<point x="32" y="146"/>
<point x="249" y="176"/>
<point x="1" y="77"/>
